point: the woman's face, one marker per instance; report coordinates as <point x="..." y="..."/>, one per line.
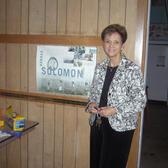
<point x="112" y="45"/>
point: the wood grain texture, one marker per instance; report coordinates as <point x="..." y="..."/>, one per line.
<point x="78" y="100"/>
<point x="13" y="16"/>
<point x="37" y="17"/>
<point x="13" y="154"/>
<point x="3" y="66"/>
<point x="82" y="140"/>
<point x="51" y="39"/>
<point x="3" y="150"/>
<point x="35" y="137"/>
<point x="13" y="66"/>
<point x="24" y="67"/>
<point x="145" y="34"/>
<point x="131" y="26"/>
<point x="117" y="11"/>
<point x="103" y="15"/>
<point x="24" y="139"/>
<point x="3" y="157"/>
<point x="59" y="135"/>
<point x="31" y="67"/>
<point x="69" y="142"/>
<point x="14" y="103"/>
<point x="51" y="16"/>
<point x="2" y="103"/>
<point x="140" y="43"/>
<point x="24" y="151"/>
<point x="73" y="17"/>
<point x="61" y="17"/>
<point x="48" y="154"/>
<point x="140" y="31"/>
<point x="13" y="148"/>
<point x="89" y="17"/>
<point x="24" y="17"/>
<point x="3" y="16"/>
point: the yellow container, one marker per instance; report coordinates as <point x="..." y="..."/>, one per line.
<point x="2" y="123"/>
<point x="17" y="123"/>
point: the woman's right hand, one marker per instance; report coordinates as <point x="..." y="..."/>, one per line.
<point x="93" y="108"/>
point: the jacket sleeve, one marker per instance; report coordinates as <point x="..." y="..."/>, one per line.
<point x="93" y="88"/>
<point x="136" y="100"/>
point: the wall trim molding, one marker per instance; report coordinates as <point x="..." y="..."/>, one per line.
<point x="37" y="96"/>
<point x="51" y="39"/>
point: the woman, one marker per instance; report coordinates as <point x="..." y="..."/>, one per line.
<point x="117" y="96"/>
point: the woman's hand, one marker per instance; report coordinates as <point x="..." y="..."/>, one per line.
<point x="107" y="111"/>
<point x="93" y="108"/>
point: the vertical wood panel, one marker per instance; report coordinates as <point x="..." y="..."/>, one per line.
<point x="3" y="153"/>
<point x="13" y="149"/>
<point x="103" y="15"/>
<point x="73" y="17"/>
<point x="14" y="103"/>
<point x="32" y="68"/>
<point x="2" y="103"/>
<point x="3" y="66"/>
<point x="142" y="10"/>
<point x="61" y="16"/>
<point x="51" y="16"/>
<point x="3" y="158"/>
<point x="48" y="157"/>
<point x="70" y="123"/>
<point x="140" y="31"/>
<point x="89" y="17"/>
<point x="83" y="140"/>
<point x="13" y="154"/>
<point x="36" y="16"/>
<point x="24" y="151"/>
<point x="24" y="108"/>
<point x="24" y="139"/>
<point x="145" y="35"/>
<point x="117" y="11"/>
<point x="13" y="66"/>
<point x="24" y="67"/>
<point x="59" y="139"/>
<point x="24" y="16"/>
<point x="131" y="23"/>
<point x="3" y="16"/>
<point x="13" y="16"/>
<point x="35" y="137"/>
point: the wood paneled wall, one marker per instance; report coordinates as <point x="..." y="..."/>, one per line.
<point x="62" y="138"/>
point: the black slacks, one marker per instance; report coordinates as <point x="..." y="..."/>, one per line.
<point x="109" y="148"/>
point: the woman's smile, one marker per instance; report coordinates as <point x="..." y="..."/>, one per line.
<point x="112" y="45"/>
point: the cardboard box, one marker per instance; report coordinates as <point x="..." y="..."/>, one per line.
<point x="17" y="123"/>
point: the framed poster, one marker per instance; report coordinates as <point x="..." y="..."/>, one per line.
<point x="66" y="70"/>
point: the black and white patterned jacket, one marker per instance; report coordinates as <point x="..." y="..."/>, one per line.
<point x="126" y="93"/>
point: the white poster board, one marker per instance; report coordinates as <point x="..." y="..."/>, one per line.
<point x="65" y="69"/>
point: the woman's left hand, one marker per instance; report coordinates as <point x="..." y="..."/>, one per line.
<point x="107" y="111"/>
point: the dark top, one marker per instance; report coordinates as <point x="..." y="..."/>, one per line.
<point x="108" y="78"/>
